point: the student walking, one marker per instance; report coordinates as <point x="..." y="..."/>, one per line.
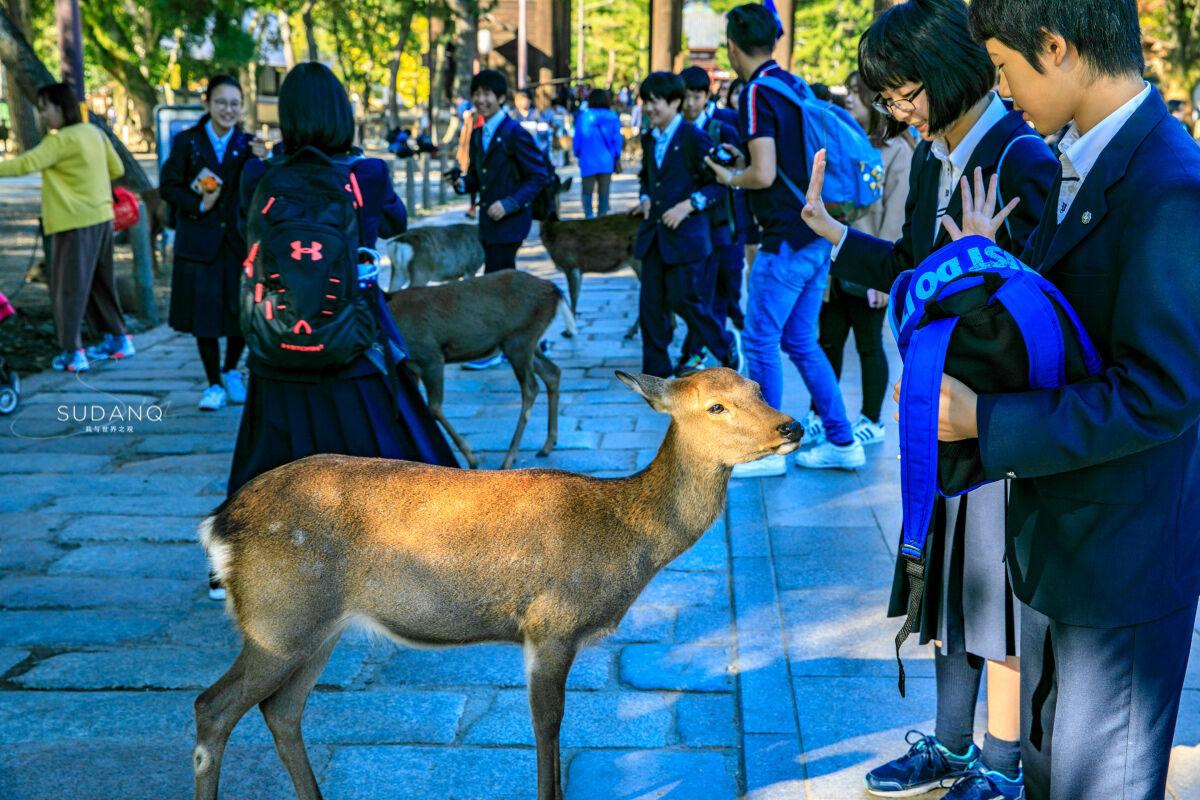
<point x="931" y="75"/>
<point x="201" y="181"/>
<point x="507" y="170"/>
<point x="597" y="145"/>
<point x="1104" y="519"/>
<point x="367" y="406"/>
<point x="673" y="238"/>
<point x="790" y="270"/>
<point x="852" y="306"/>
<point x="78" y="165"/>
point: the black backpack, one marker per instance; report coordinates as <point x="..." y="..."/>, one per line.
<point x="544" y="202"/>
<point x="302" y="305"/>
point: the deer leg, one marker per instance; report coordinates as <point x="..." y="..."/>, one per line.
<point x="283" y="710"/>
<point x="574" y="280"/>
<point x="633" y="329"/>
<point x="549" y="372"/>
<point x="522" y="366"/>
<point x="547" y="665"/>
<point x="432" y="377"/>
<point x="254" y="675"/>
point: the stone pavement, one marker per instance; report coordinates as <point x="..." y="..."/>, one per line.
<point x="759" y="664"/>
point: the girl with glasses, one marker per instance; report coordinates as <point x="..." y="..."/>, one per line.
<point x="930" y="75"/>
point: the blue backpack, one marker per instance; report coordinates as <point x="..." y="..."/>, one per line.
<point x="974" y="311"/>
<point x="853" y="166"/>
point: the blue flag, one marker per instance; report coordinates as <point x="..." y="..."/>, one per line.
<point x="770" y="5"/>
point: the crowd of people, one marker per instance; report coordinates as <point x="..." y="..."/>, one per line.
<point x="1070" y="580"/>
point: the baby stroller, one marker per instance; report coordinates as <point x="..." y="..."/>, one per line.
<point x="10" y="383"/>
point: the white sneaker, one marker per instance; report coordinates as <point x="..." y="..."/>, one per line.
<point x="828" y="455"/>
<point x="866" y="432"/>
<point x="814" y="428"/>
<point x="214" y="397"/>
<point x="234" y="388"/>
<point x="769" y="467"/>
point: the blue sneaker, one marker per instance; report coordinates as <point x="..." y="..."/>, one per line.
<point x="984" y="784"/>
<point x="923" y="768"/>
<point x="114" y="346"/>
<point x="486" y="363"/>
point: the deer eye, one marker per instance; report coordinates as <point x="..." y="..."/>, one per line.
<point x="716" y="408"/>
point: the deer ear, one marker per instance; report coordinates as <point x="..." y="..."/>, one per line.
<point x="653" y="389"/>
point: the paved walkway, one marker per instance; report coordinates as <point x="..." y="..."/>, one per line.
<point x="758" y="664"/>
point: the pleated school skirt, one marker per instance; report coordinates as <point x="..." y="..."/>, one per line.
<point x="283" y="421"/>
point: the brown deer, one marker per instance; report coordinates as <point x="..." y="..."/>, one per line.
<point x="427" y="555"/>
<point x="600" y="245"/>
<point x="467" y="320"/>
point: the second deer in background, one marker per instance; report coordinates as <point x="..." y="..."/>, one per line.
<point x="505" y="311"/>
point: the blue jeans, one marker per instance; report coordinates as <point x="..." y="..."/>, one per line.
<point x="784" y="303"/>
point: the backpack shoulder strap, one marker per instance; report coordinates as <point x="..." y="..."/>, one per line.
<point x="782" y="87"/>
<point x="1000" y="165"/>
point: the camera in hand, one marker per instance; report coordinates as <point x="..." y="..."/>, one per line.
<point x="454" y="173"/>
<point x="721" y="156"/>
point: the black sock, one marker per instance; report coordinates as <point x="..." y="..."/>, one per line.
<point x="1002" y="756"/>
<point x="958" y="679"/>
<point x="210" y="357"/>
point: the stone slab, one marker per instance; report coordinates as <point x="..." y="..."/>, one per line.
<point x="703" y="625"/>
<point x="652" y="775"/>
<point x="754" y="594"/>
<point x="42" y="591"/>
<point x="673" y="588"/>
<point x="765" y="692"/>
<point x="76" y="628"/>
<point x="39" y="463"/>
<point x="10" y="657"/>
<point x="121" y="527"/>
<point x="135" y="560"/>
<point x="590" y="719"/>
<point x="27" y="555"/>
<point x="687" y="667"/>
<point x="461" y="773"/>
<point x="775" y="768"/>
<point x="706" y="720"/>
<point x="645" y="623"/>
<point x="486" y="665"/>
<point x="185" y="444"/>
<point x="708" y="554"/>
<point x="195" y="507"/>
<point x="29" y="525"/>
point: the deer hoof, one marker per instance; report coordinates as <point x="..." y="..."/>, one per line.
<point x="545" y="451"/>
<point x="567" y="334"/>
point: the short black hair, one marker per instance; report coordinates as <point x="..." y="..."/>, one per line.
<point x="666" y="85"/>
<point x="927" y="42"/>
<point x="695" y="79"/>
<point x="314" y="110"/>
<point x="62" y="96"/>
<point x="752" y="28"/>
<point x="217" y="81"/>
<point x="490" y="79"/>
<point x="599" y="98"/>
<point x="1106" y="33"/>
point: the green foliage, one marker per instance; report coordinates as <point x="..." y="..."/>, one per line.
<point x="827" y="34"/>
<point x="622" y="26"/>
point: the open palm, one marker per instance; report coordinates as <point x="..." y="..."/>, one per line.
<point x="979" y="209"/>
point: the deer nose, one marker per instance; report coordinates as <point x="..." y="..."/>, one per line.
<point x="792" y="431"/>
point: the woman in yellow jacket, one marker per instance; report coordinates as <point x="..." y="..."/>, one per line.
<point x="78" y="165"/>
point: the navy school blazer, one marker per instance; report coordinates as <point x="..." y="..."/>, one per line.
<point x="198" y="234"/>
<point x="512" y="171"/>
<point x="1104" y="512"/>
<point x="1027" y="172"/>
<point x="682" y="174"/>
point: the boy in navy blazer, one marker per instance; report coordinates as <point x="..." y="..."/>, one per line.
<point x="720" y="285"/>
<point x="506" y="169"/>
<point x="1104" y="517"/>
<point x="673" y="240"/>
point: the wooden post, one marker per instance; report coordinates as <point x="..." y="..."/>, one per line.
<point x="426" y="201"/>
<point x="143" y="267"/>
<point x="410" y="184"/>
<point x="442" y="177"/>
<point x="787" y="42"/>
<point x="666" y="25"/>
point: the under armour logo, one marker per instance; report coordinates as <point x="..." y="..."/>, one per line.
<point x="301" y="327"/>
<point x="314" y="250"/>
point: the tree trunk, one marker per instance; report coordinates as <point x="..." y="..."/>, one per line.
<point x="23" y="65"/>
<point x="22" y="115"/>
<point x="285" y="40"/>
<point x="464" y="44"/>
<point x="310" y="34"/>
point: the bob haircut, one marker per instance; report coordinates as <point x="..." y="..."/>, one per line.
<point x="752" y="28"/>
<point x="63" y="97"/>
<point x="217" y="81"/>
<point x="600" y="98"/>
<point x="695" y="79"/>
<point x="927" y="42"/>
<point x="490" y="79"/>
<point x="666" y="85"/>
<point x="314" y="110"/>
<point x="1106" y="33"/>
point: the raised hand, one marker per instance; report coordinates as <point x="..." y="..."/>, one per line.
<point x="979" y="209"/>
<point x="815" y="214"/>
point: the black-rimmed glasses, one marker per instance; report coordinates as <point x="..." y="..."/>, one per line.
<point x="903" y="105"/>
